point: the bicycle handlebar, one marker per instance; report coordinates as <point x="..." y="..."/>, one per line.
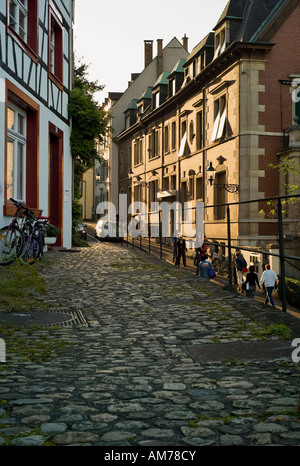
<point x="21" y="206"/>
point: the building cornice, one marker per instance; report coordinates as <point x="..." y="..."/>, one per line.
<point x="233" y="54"/>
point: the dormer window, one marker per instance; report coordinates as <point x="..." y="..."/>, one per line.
<point x="220" y="43"/>
<point x="194" y="68"/>
<point x="173" y="87"/>
<point x="156" y="100"/>
<point x="202" y="61"/>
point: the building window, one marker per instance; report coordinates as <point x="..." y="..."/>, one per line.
<point x="166" y="183"/>
<point x="23" y="22"/>
<point x="191" y="132"/>
<point x="191" y="188"/>
<point x="138" y="151"/>
<point x="173" y="182"/>
<point x="194" y="68"/>
<point x="183" y="143"/>
<point x="219" y="196"/>
<point x="55" y="47"/>
<point x="153" y="141"/>
<point x="166" y="141"/>
<point x="173" y="135"/>
<point x="199" y="130"/>
<point x="173" y="87"/>
<point x="16" y="154"/>
<point x="220" y="43"/>
<point x="202" y="61"/>
<point x="153" y="190"/>
<point x="219" y="119"/>
<point x="184" y="192"/>
<point x="156" y="100"/>
<point x="199" y="188"/>
<point x="18" y="17"/>
<point x="21" y="149"/>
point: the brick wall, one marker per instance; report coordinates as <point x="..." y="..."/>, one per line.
<point x="282" y="61"/>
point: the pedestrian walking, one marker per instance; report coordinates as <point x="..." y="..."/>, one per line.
<point x="181" y="250"/>
<point x="269" y="278"/>
<point x="174" y="246"/>
<point x="251" y="282"/>
<point x="205" y="267"/>
<point x="241" y="268"/>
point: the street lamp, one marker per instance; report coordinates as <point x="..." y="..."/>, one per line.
<point x="211" y="173"/>
<point x="130" y="174"/>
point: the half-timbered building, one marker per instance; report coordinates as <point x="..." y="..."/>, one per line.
<point x="36" y="62"/>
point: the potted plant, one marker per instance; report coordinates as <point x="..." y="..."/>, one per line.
<point x="52" y="233"/>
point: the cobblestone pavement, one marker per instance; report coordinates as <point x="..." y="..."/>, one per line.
<point x="160" y="359"/>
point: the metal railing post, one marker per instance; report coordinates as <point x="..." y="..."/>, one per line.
<point x="281" y="253"/>
<point x="149" y="233"/>
<point x="160" y="233"/>
<point x="229" y="247"/>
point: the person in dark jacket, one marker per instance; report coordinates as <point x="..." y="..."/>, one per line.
<point x="241" y="266"/>
<point x="204" y="267"/>
<point x="251" y="282"/>
<point x="181" y="250"/>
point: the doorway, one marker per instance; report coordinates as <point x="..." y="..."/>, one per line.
<point x="55" y="197"/>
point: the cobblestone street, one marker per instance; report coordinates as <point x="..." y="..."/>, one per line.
<point x="160" y="357"/>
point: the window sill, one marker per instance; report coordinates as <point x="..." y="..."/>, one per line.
<point x="29" y="51"/>
<point x="56" y="81"/>
<point x="9" y="210"/>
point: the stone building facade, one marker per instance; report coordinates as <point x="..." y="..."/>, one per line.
<point x="229" y="107"/>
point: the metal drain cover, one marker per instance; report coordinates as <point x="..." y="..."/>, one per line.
<point x="264" y="349"/>
<point x="42" y="318"/>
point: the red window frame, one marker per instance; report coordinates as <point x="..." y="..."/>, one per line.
<point x="54" y="23"/>
<point x="31" y="45"/>
<point x="13" y="93"/>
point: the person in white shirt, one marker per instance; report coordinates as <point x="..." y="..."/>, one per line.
<point x="270" y="278"/>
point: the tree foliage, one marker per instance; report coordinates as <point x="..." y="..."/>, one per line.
<point x="89" y="122"/>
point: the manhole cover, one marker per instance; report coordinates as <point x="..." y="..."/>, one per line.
<point x="243" y="350"/>
<point x="41" y="318"/>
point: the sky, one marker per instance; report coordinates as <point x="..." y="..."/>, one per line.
<point x="109" y="35"/>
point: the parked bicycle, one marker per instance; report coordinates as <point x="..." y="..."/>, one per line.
<point x="34" y="232"/>
<point x="221" y="265"/>
<point x="12" y="239"/>
<point x="24" y="237"/>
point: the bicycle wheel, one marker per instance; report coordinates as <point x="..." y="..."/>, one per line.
<point x="11" y="244"/>
<point x="216" y="266"/>
<point x="226" y="270"/>
<point x="31" y="251"/>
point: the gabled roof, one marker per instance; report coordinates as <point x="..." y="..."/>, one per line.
<point x="115" y="95"/>
<point x="162" y="79"/>
<point x="147" y="94"/>
<point x="249" y="17"/>
<point x="178" y="68"/>
<point x="208" y="41"/>
<point x="233" y="10"/>
<point x="132" y="105"/>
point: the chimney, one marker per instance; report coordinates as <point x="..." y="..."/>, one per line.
<point x="159" y="57"/>
<point x="148" y="52"/>
<point x="185" y="42"/>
